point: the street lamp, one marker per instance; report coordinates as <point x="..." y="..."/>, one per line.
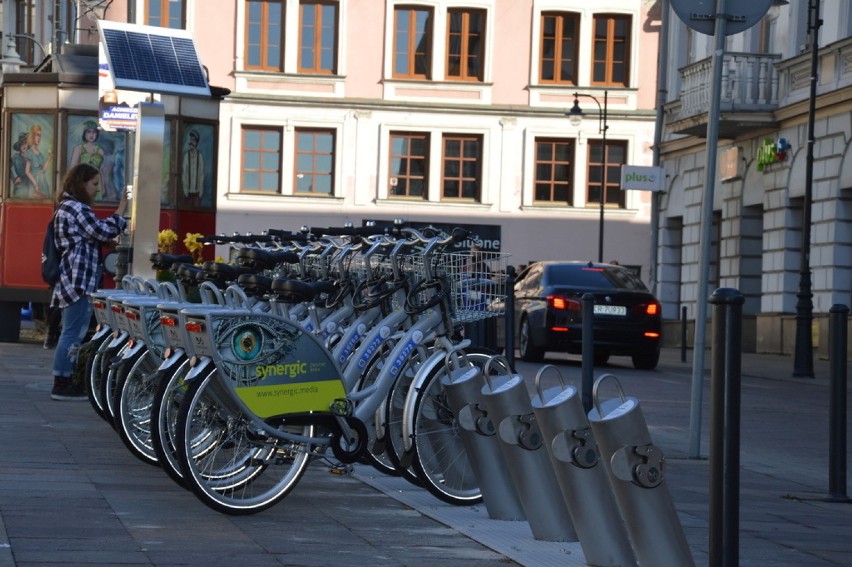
<point x="803" y="355"/>
<point x="575" y="115"/>
<point x="11" y="60"/>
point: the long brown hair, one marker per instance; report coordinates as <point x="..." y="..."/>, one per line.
<point x="75" y="181"/>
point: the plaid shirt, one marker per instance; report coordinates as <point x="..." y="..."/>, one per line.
<point x="78" y="234"/>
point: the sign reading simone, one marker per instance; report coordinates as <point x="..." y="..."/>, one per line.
<point x="642" y="178"/>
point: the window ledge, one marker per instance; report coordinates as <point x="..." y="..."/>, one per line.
<point x="289" y="77"/>
<point x="265" y="197"/>
<point x="418" y="203"/>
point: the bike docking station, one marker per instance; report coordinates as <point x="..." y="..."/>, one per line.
<point x="478" y="434"/>
<point x="636" y="471"/>
<point x="594" y="478"/>
<point x="582" y="478"/>
<point x="524" y="457"/>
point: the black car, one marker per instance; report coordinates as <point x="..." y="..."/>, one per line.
<point x="549" y="312"/>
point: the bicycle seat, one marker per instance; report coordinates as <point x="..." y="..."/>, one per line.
<point x="293" y="291"/>
<point x="160" y="261"/>
<point x="255" y="285"/>
<point x="220" y="273"/>
<point x="259" y="259"/>
<point x="186" y="273"/>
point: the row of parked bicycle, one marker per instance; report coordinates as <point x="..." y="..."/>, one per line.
<point x="328" y="344"/>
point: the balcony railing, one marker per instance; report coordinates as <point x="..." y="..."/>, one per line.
<point x="749" y="85"/>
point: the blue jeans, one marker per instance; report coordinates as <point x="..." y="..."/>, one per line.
<point x="75" y="324"/>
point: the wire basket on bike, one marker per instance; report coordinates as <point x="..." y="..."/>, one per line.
<point x="477" y="283"/>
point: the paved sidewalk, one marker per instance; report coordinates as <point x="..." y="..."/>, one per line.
<point x="71" y="494"/>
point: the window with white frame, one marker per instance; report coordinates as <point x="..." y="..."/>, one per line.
<point x="560" y="47"/>
<point x="165" y="13"/>
<point x="408" y="165"/>
<point x="260" y="171"/>
<point x="412" y="42"/>
<point x="461" y="175"/>
<point x="318" y="36"/>
<point x="264" y="35"/>
<point x="314" y="162"/>
<point x="554" y="171"/>
<point x="611" y="50"/>
<point x="285" y="36"/>
<point x="603" y="179"/>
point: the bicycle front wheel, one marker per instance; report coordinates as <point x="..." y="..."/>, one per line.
<point x="164" y="408"/>
<point x="134" y="393"/>
<point x="230" y="466"/>
<point x="440" y="459"/>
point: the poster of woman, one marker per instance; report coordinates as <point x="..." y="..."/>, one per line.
<point x="102" y="150"/>
<point x="196" y="165"/>
<point x="32" y="167"/>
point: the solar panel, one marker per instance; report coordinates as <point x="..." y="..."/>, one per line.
<point x="153" y="59"/>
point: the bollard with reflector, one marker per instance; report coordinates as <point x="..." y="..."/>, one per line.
<point x="508" y="405"/>
<point x="637" y="472"/>
<point x="582" y="478"/>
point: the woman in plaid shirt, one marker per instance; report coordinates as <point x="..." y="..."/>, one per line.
<point x="79" y="235"/>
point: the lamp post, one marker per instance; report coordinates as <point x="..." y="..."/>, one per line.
<point x="803" y="355"/>
<point x="575" y="115"/>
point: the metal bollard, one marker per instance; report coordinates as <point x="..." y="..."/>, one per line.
<point x="837" y="415"/>
<point x="463" y="388"/>
<point x="508" y="404"/>
<point x="725" y="393"/>
<point x="636" y="470"/>
<point x="585" y="487"/>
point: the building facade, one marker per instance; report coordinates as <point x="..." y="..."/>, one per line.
<point x="759" y="195"/>
<point x="440" y="111"/>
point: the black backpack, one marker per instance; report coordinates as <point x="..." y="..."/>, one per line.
<point x="49" y="257"/>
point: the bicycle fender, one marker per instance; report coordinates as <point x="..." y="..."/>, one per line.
<point x="423" y="372"/>
<point x="101" y="332"/>
<point x="133" y="350"/>
<point x="200" y="368"/>
<point x="171" y="360"/>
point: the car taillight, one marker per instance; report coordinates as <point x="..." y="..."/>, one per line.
<point x="652" y="308"/>
<point x="561" y="303"/>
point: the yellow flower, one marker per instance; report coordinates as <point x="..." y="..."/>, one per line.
<point x="194" y="246"/>
<point x="166" y="240"/>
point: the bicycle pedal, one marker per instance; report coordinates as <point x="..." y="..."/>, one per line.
<point x="342" y="470"/>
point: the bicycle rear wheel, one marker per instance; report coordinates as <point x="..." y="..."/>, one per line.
<point x="440" y="459"/>
<point x="228" y="465"/>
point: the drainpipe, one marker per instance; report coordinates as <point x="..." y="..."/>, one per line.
<point x="662" y="79"/>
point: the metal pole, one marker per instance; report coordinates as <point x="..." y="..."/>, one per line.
<point x="803" y="360"/>
<point x="662" y="74"/>
<point x="837" y="404"/>
<point x="588" y="346"/>
<point x="706" y="232"/>
<point x="605" y="165"/>
<point x="725" y="427"/>
<point x="509" y="316"/>
<point x="683" y="334"/>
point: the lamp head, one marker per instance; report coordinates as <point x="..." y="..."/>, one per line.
<point x="575" y="115"/>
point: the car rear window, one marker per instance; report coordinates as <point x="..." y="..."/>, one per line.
<point x="589" y="277"/>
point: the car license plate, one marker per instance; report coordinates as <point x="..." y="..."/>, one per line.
<point x="611" y="310"/>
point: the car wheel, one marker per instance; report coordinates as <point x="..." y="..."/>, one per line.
<point x="600" y="358"/>
<point x="646" y="359"/>
<point x="529" y="352"/>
